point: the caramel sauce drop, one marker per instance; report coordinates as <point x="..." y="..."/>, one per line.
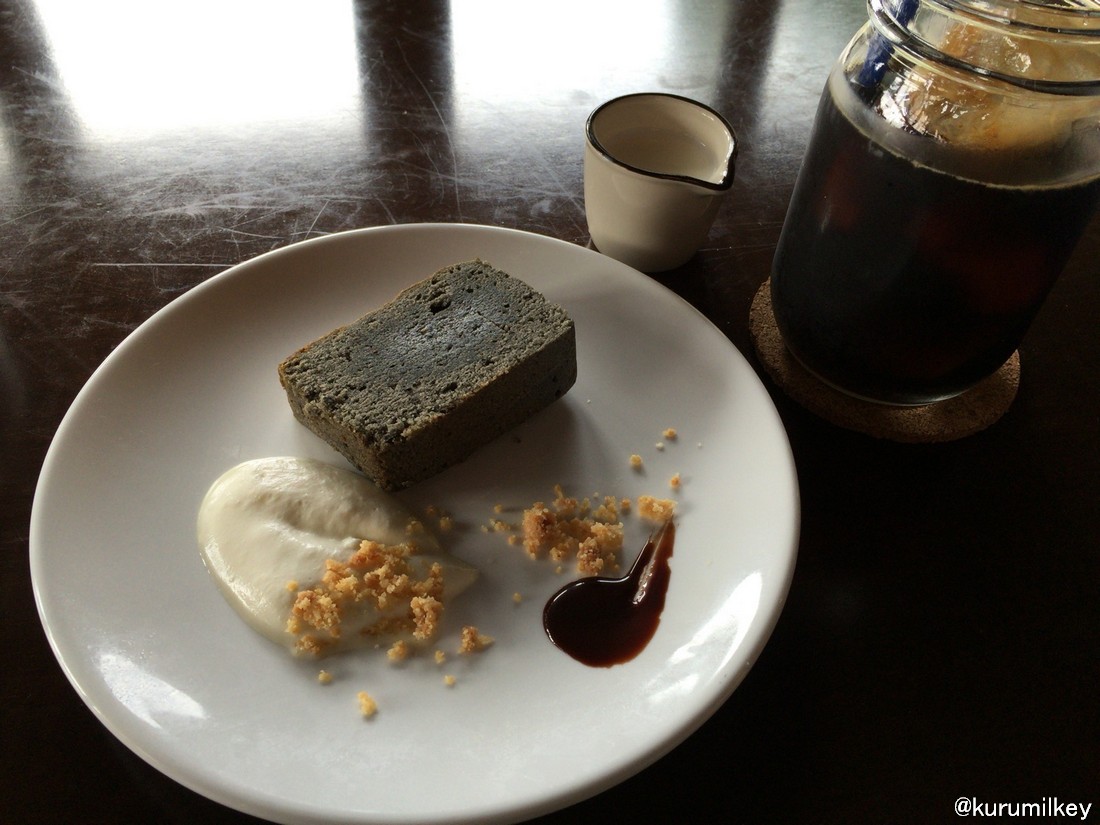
<point x="601" y="621"/>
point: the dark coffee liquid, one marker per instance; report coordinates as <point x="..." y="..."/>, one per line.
<point x="603" y="622"/>
<point x="899" y="283"/>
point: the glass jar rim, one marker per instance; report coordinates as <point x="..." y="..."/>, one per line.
<point x="914" y="25"/>
<point x="1076" y="17"/>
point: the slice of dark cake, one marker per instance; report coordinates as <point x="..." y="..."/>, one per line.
<point x="419" y="384"/>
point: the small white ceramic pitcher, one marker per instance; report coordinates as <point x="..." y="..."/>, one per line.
<point x="655" y="169"/>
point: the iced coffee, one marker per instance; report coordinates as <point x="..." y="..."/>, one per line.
<point x="933" y="213"/>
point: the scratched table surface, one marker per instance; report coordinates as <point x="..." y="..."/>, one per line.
<point x="942" y="632"/>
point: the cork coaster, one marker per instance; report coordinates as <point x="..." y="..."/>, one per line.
<point x="948" y="420"/>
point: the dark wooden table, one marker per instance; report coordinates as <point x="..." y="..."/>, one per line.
<point x="942" y="634"/>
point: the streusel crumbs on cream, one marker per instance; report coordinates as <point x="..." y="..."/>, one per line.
<point x="317" y="558"/>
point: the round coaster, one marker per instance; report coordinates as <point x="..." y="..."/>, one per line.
<point x="954" y="418"/>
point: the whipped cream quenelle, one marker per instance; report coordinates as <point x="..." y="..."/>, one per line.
<point x="317" y="558"/>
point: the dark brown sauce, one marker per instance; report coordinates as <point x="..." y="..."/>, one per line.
<point x="603" y="622"/>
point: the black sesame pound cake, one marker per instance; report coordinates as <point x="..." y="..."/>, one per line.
<point x="450" y="364"/>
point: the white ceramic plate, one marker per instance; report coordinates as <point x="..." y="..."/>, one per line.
<point x="147" y="640"/>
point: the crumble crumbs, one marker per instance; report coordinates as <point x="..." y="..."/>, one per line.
<point x="324" y="677"/>
<point x="426" y="611"/>
<point x="399" y="651"/>
<point x="443" y="519"/>
<point x="367" y="706"/>
<point x="636" y="461"/>
<point x="473" y="640"/>
<point x="591" y="535"/>
<point x="656" y="509"/>
<point x="571" y="528"/>
<point x="669" y="434"/>
<point x="378" y="575"/>
<point x="449" y="680"/>
<point x="675" y="481"/>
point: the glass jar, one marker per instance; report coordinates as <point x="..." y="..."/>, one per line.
<point x="954" y="163"/>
